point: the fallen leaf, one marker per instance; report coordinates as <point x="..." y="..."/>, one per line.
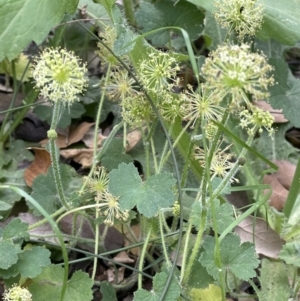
<point x="82" y="156"/>
<point x="88" y="138"/>
<point x="285" y="173"/>
<point x="132" y="139"/>
<point x="39" y="165"/>
<point x="277" y="114"/>
<point x="114" y="276"/>
<point x="267" y="241"/>
<point x="123" y="258"/>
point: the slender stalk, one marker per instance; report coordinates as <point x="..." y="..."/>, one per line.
<point x="161" y="217"/>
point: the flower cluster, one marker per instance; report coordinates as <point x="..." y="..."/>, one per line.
<point x="256" y="119"/>
<point x="60" y="75"/>
<point x="234" y="70"/>
<point x="202" y="104"/>
<point x="158" y="71"/>
<point x="244" y="17"/>
<point x="17" y="293"/>
<point x="107" y="204"/>
<point x="220" y="163"/>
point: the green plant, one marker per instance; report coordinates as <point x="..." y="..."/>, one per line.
<point x="200" y="134"/>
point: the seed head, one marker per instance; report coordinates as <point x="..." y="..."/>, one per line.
<point x="234" y="70"/>
<point x="60" y="75"/>
<point x="244" y="17"/>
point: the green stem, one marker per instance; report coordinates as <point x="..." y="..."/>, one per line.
<point x="142" y="256"/>
<point x="161" y="217"/>
<point x="129" y="11"/>
<point x="185" y="252"/>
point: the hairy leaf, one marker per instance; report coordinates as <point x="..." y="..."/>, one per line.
<point x="239" y="259"/>
<point x="290" y="253"/>
<point x="149" y="196"/>
<point x="48" y="285"/>
<point x="159" y="282"/>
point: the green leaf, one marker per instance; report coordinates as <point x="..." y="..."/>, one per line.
<point x="285" y="93"/>
<point x="15" y="230"/>
<point x="149" y="196"/>
<point x="44" y="189"/>
<point x="274" y="281"/>
<point x="159" y="282"/>
<point x="224" y="215"/>
<point x="214" y="31"/>
<point x="114" y="155"/>
<point x="212" y="293"/>
<point x="17" y="29"/>
<point x="239" y="259"/>
<point x="48" y="285"/>
<point x="199" y="277"/>
<point x="281" y="21"/>
<point x="108" y="291"/>
<point x="31" y="261"/>
<point x="76" y="110"/>
<point x="290" y="253"/>
<point x="8" y="253"/>
<point x="166" y="13"/>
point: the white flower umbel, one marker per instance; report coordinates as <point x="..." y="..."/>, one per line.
<point x="234" y="70"/>
<point x="244" y="17"/>
<point x="60" y="75"/>
<point x="17" y="293"/>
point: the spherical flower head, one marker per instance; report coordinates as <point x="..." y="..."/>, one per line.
<point x="158" y="71"/>
<point x="220" y="161"/>
<point x="136" y="110"/>
<point x="202" y="104"/>
<point x="245" y="17"/>
<point x="110" y="208"/>
<point x="234" y="70"/>
<point x="17" y="293"/>
<point x="98" y="183"/>
<point x="176" y="209"/>
<point x="172" y="105"/>
<point x="120" y="85"/>
<point x="256" y="120"/>
<point x="60" y="75"/>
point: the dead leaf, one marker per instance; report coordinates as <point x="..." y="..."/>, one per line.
<point x="88" y="138"/>
<point x="114" y="276"/>
<point x="132" y="139"/>
<point x="279" y="193"/>
<point x="293" y="137"/>
<point x="82" y="156"/>
<point x="280" y="182"/>
<point x="267" y="241"/>
<point x="39" y="165"/>
<point x="76" y="134"/>
<point x="277" y="114"/>
<point x="123" y="258"/>
<point x="113" y="240"/>
<point x="44" y="231"/>
<point x="129" y="240"/>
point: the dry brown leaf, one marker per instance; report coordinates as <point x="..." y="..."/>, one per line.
<point x="132" y="139"/>
<point x="279" y="193"/>
<point x="75" y="134"/>
<point x="136" y="230"/>
<point x="115" y="277"/>
<point x="113" y="240"/>
<point x="277" y="114"/>
<point x="82" y="156"/>
<point x="88" y="138"/>
<point x="39" y="165"/>
<point x="280" y="182"/>
<point x="123" y="258"/>
<point x="267" y="241"/>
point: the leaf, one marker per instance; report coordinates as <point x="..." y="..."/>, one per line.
<point x="159" y="282"/>
<point x="39" y="165"/>
<point x="149" y="196"/>
<point x="44" y="112"/>
<point x="267" y="242"/>
<point x="15" y="230"/>
<point x="274" y="281"/>
<point x="166" y="13"/>
<point x="48" y="285"/>
<point x="281" y="21"/>
<point x="290" y="253"/>
<point x="31" y="261"/>
<point x="284" y="94"/>
<point x="199" y="277"/>
<point x="8" y="253"/>
<point x="224" y="215"/>
<point x="212" y="293"/>
<point x="240" y="259"/>
<point x="108" y="291"/>
<point x="17" y="29"/>
<point x="114" y="155"/>
<point x="44" y="189"/>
